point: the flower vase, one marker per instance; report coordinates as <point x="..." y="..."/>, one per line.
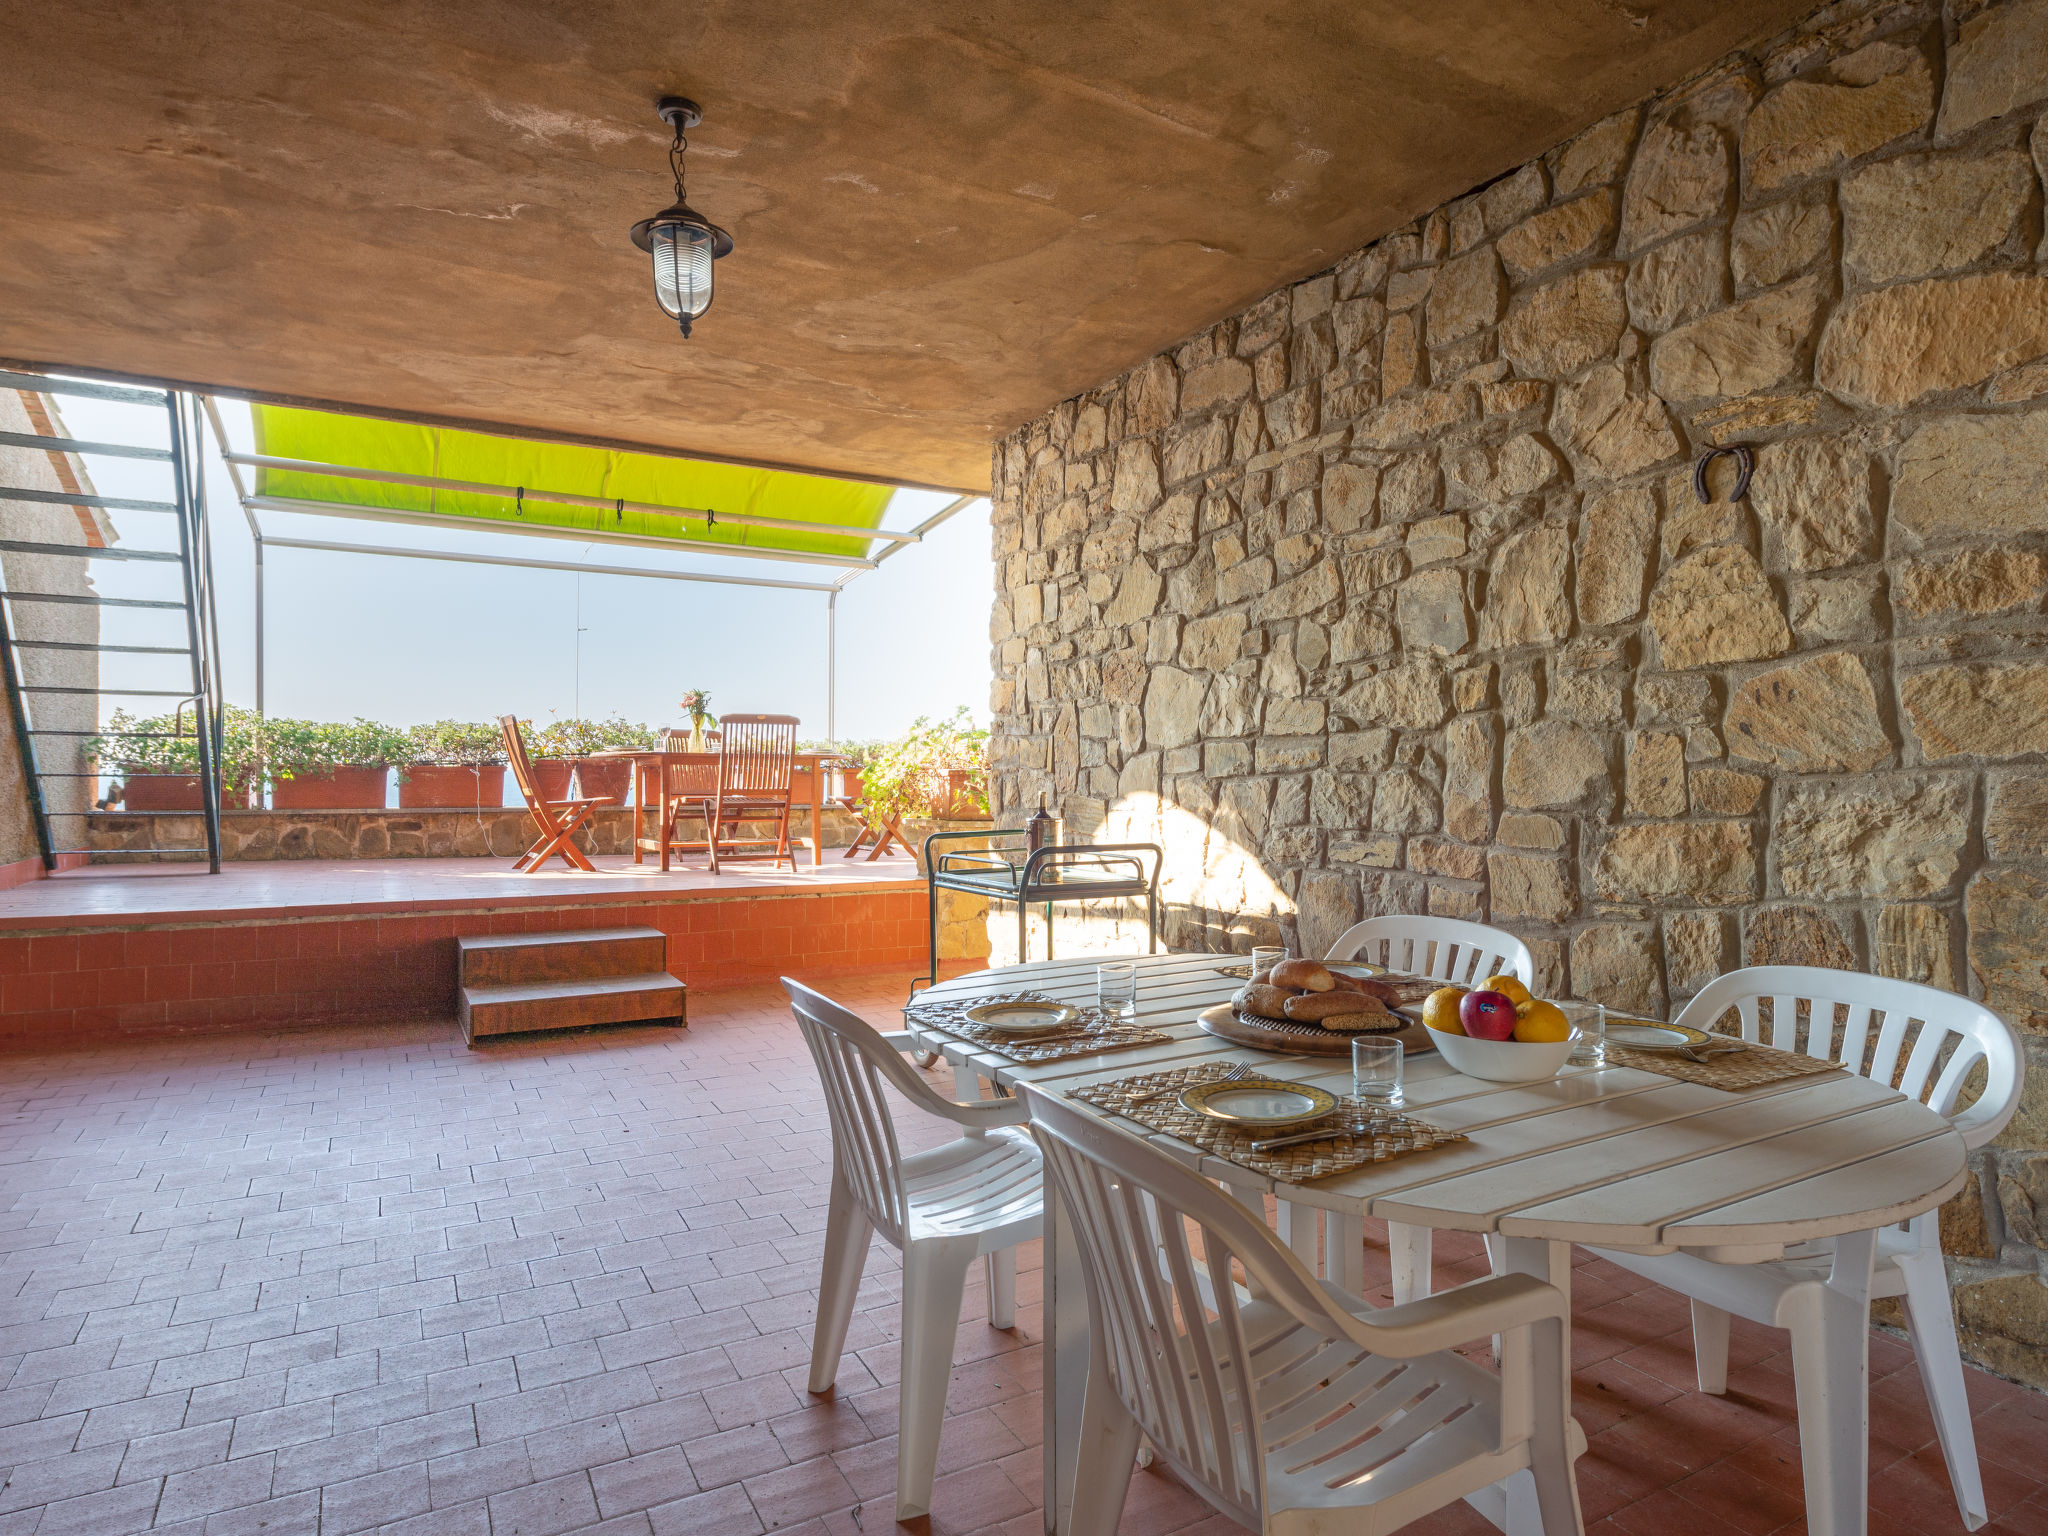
<point x="697" y="733"/>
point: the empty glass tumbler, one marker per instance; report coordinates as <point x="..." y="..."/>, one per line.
<point x="1376" y="1069"/>
<point x="1116" y="989"/>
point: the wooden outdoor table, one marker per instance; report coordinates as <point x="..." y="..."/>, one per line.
<point x="1604" y="1155"/>
<point x="807" y="777"/>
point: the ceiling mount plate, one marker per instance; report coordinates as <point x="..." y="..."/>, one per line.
<point x="679" y="112"/>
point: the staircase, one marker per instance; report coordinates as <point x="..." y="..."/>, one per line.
<point x="520" y="983"/>
<point x="147" y="581"/>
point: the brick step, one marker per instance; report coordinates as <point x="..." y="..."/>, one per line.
<point x="507" y="959"/>
<point x="520" y="1007"/>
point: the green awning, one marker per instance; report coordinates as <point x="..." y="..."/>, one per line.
<point x="608" y="475"/>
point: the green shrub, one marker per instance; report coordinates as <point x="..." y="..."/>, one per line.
<point x="457" y="743"/>
<point x="170" y="744"/>
<point x="295" y="748"/>
<point x="912" y="776"/>
<point x="582" y="738"/>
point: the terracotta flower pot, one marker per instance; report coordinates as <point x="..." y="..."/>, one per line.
<point x="959" y="803"/>
<point x="343" y="789"/>
<point x="605" y="776"/>
<point x="162" y="792"/>
<point x="551" y="776"/>
<point x="452" y="787"/>
<point x="850" y="783"/>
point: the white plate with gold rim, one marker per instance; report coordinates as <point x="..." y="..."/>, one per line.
<point x="1259" y="1103"/>
<point x="1024" y="1018"/>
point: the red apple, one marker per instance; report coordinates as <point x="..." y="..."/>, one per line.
<point x="1487" y="1015"/>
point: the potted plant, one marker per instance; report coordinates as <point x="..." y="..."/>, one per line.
<point x="556" y="747"/>
<point x="938" y="770"/>
<point x="848" y="773"/>
<point x="696" y="704"/>
<point x="611" y="776"/>
<point x="158" y="760"/>
<point x="456" y="765"/>
<point x="318" y="765"/>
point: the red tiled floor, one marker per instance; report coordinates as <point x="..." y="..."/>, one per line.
<point x="365" y="1280"/>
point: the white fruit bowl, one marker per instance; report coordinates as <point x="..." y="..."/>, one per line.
<point x="1503" y="1061"/>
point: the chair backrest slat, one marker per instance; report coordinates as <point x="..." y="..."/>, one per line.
<point x="866" y="1156"/>
<point x="1954" y="1035"/>
<point x="1443" y="948"/>
<point x="515" y="754"/>
<point x="757" y="753"/>
<point x="685" y="780"/>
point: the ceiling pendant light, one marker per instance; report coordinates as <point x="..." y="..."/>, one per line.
<point x="681" y="240"/>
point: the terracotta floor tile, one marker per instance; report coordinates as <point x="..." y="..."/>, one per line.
<point x="566" y="1285"/>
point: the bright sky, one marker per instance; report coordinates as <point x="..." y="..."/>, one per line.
<point x="404" y="640"/>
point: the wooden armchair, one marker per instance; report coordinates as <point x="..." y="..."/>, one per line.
<point x="558" y="820"/>
<point x="756" y="763"/>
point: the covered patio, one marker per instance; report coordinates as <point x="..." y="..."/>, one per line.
<point x="1528" y="515"/>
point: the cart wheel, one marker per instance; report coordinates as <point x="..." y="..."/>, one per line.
<point x="925" y="1060"/>
<point x="1145" y="1455"/>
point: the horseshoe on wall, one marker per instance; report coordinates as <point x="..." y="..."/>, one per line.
<point x="1745" y="466"/>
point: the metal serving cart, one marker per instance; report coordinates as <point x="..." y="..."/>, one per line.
<point x="1054" y="875"/>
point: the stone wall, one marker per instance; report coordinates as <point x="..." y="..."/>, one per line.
<point x="1392" y="593"/>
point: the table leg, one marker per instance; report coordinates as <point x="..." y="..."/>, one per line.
<point x="817" y="815"/>
<point x="1511" y="1503"/>
<point x="1344" y="1249"/>
<point x="1408" y="1252"/>
<point x="1831" y="1376"/>
<point x="1065" y="1356"/>
<point x="639" y="801"/>
<point x="661" y="830"/>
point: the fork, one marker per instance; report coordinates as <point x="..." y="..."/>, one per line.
<point x="1351" y="1126"/>
<point x="1236" y="1074"/>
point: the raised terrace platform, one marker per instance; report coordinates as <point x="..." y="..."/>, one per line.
<point x="102" y="953"/>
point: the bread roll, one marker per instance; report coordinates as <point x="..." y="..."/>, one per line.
<point x="1314" y="1007"/>
<point x="1263" y="978"/>
<point x="1304" y="975"/>
<point x="1262" y="1002"/>
<point x="1374" y="1021"/>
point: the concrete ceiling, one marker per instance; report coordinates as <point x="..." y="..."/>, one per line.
<point x="949" y="216"/>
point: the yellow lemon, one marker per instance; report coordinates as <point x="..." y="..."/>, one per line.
<point x="1440" y="1010"/>
<point x="1542" y="1023"/>
<point x="1509" y="988"/>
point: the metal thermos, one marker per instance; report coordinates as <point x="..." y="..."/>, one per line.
<point x="1040" y="829"/>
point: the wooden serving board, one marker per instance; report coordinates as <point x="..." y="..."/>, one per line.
<point x="1290" y="1039"/>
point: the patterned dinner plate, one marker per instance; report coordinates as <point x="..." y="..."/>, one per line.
<point x="1022" y="1018"/>
<point x="1259" y="1103"/>
<point x="1648" y="1035"/>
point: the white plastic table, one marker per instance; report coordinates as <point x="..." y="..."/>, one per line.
<point x="1609" y="1156"/>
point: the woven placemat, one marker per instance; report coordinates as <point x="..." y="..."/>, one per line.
<point x="1095" y="1031"/>
<point x="1751" y="1067"/>
<point x="1153" y="1100"/>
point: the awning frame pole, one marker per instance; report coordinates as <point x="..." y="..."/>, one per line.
<point x="832" y="666"/>
<point x="566" y="498"/>
<point x="542" y="565"/>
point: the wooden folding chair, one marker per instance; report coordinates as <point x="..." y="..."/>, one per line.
<point x="558" y="820"/>
<point x="756" y="762"/>
<point x="883" y="829"/>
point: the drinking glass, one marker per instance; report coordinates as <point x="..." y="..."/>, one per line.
<point x="1116" y="989"/>
<point x="1376" y="1069"/>
<point x="1266" y="959"/>
<point x="1589" y="1043"/>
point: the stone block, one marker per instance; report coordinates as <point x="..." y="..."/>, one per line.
<point x="1681" y="177"/>
<point x="1134" y="486"/>
<point x="1679" y="281"/>
<point x="1403" y="801"/>
<point x="1656" y="774"/>
<point x="1173" y="707"/>
<point x="1724" y="792"/>
<point x="1899" y="344"/>
<point x="1299" y="595"/>
<point x="1964" y="1232"/>
<point x="1610" y="431"/>
<point x="1972" y="584"/>
<point x="1525" y="829"/>
<point x="1466" y="296"/>
<point x="1137" y="596"/>
<point x="1521" y="885"/>
<point x="1595" y="157"/>
<point x="1583" y="227"/>
<point x="1836" y="610"/>
<point x="1783" y="240"/>
<point x="1881" y="92"/>
<point x="1430" y="612"/>
<point x="1815" y="715"/>
<point x="1326" y="905"/>
<point x="1434" y="539"/>
<point x="1796" y="936"/>
<point x="1677" y="698"/>
<point x="1696" y="949"/>
<point x="1617" y="964"/>
<point x="2007" y="919"/>
<point x="1983" y="711"/>
<point x="1895" y="836"/>
<point x="1715" y="606"/>
<point x="1618" y="533"/>
<point x="1439" y="856"/>
<point x="1348" y="495"/>
<point x="1528" y="598"/>
<point x="1704" y="863"/>
<point x="1813" y="494"/>
<point x="1749" y="346"/>
<point x="1468" y="778"/>
<point x="1552" y="763"/>
<point x="1999" y="62"/>
<point x="1911" y="942"/>
<point x="1922" y="214"/>
<point x="1210" y="645"/>
<point x="1377" y="851"/>
<point x="1979" y="475"/>
<point x="2016" y="821"/>
<point x="1574" y="320"/>
<point x="1411" y="696"/>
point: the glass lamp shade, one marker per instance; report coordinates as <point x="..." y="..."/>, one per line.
<point x="683" y="245"/>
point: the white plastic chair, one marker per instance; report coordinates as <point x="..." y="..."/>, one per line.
<point x="1449" y="949"/>
<point x="1457" y="953"/>
<point x="1291" y="1405"/>
<point x="976" y="1196"/>
<point x="1800" y="1292"/>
